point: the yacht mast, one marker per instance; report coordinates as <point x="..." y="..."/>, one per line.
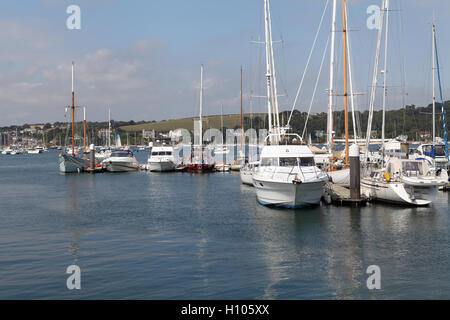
<point x="384" y="80"/>
<point x="330" y="98"/>
<point x="201" y="110"/>
<point x="73" y="115"/>
<point x="374" y="80"/>
<point x="345" y="81"/>
<point x="272" y="99"/>
<point x="84" y="129"/>
<point x="242" y="123"/>
<point x="351" y="81"/>
<point x="109" y="128"/>
<point x="434" y="76"/>
<point x="441" y="95"/>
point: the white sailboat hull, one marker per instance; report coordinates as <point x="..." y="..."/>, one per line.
<point x="399" y="192"/>
<point x="340" y="176"/>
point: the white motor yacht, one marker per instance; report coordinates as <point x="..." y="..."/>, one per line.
<point x="161" y="159"/>
<point x="121" y="161"/>
<point x="288" y="177"/>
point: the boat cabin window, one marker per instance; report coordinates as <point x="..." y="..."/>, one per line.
<point x="307" y="162"/>
<point x="288" y="162"/>
<point x="162" y="153"/>
<point x="303" y="161"/>
<point x="267" y="162"/>
<point x="121" y="154"/>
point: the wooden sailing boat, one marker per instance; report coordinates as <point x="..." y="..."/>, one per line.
<point x="72" y="163"/>
<point x="198" y="162"/>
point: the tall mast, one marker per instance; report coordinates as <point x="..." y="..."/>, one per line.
<point x="444" y="126"/>
<point x="345" y="80"/>
<point x="268" y="68"/>
<point x="274" y="79"/>
<point x="109" y="128"/>
<point x="201" y="110"/>
<point x="73" y="115"/>
<point x="351" y="82"/>
<point x="384" y="80"/>
<point x="84" y="129"/>
<point x="434" y="76"/>
<point x="374" y="80"/>
<point x="242" y="121"/>
<point x="330" y="98"/>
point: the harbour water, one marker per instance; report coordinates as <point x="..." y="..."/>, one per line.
<point x="181" y="236"/>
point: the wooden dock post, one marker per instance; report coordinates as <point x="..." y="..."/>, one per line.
<point x="92" y="157"/>
<point x="355" y="173"/>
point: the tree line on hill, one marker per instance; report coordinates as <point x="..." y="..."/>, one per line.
<point x="414" y="122"/>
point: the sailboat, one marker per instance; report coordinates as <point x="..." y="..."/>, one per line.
<point x="287" y="176"/>
<point x="338" y="172"/>
<point x="198" y="161"/>
<point x="399" y="179"/>
<point x="435" y="151"/>
<point x="70" y="163"/>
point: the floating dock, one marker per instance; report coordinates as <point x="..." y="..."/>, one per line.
<point x="340" y="194"/>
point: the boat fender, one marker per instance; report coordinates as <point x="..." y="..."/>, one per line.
<point x="387" y="176"/>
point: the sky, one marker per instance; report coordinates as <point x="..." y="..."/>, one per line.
<point x="141" y="59"/>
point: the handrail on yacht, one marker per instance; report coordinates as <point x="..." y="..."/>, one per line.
<point x="284" y="134"/>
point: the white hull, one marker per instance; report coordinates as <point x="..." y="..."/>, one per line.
<point x="288" y="194"/>
<point x="121" y="166"/>
<point x="161" y="166"/>
<point x="340" y="176"/>
<point x="399" y="192"/>
<point x="246" y="177"/>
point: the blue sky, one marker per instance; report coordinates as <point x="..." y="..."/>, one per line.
<point x="142" y="58"/>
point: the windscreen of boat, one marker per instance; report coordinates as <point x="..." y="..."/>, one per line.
<point x="440" y="151"/>
<point x="415" y="167"/>
<point x="162" y="153"/>
<point x="291" y="161"/>
<point x="267" y="162"/>
<point x="121" y="154"/>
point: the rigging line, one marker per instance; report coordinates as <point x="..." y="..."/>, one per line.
<point x="315" y="87"/>
<point x="307" y="63"/>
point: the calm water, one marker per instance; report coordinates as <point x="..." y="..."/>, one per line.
<point x="180" y="236"/>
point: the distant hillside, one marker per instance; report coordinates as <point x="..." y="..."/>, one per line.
<point x="230" y="121"/>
